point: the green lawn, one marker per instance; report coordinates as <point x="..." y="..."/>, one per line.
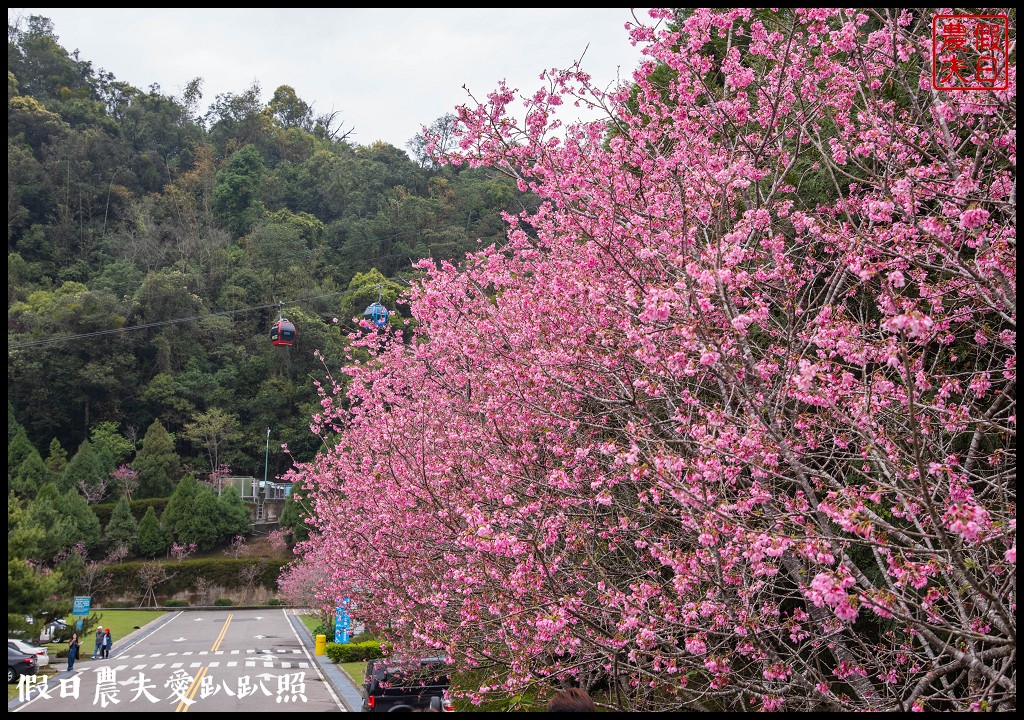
<point x="355" y="671"/>
<point x="310" y="621"/>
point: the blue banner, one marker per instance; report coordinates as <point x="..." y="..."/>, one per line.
<point x="342" y="622"/>
<point x="82" y="605"/>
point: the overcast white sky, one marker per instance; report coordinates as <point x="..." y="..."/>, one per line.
<point x="386" y="71"/>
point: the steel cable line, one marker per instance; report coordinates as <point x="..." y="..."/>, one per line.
<point x="66" y="338"/>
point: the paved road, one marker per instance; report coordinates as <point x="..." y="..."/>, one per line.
<point x="200" y="661"/>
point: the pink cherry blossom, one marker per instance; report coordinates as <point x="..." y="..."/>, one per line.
<point x="730" y="414"/>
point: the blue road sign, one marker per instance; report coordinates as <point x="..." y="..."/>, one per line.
<point x="82" y="605"/>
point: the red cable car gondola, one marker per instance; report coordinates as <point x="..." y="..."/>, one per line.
<point x="283" y="331"/>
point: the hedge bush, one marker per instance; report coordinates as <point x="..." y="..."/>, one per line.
<point x="124" y="577"/>
<point x="223" y="602"/>
<point x="353" y="652"/>
<point x="176" y="603"/>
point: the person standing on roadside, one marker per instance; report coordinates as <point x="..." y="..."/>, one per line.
<point x="108" y="643"/>
<point x="101" y="637"/>
<point x="72" y="651"/>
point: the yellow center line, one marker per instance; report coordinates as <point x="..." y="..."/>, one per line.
<point x="193" y="688"/>
<point x="223" y="632"/>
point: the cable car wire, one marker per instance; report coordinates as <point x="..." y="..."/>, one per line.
<point x="161" y="323"/>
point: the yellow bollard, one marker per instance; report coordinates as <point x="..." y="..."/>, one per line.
<point x="321" y="644"/>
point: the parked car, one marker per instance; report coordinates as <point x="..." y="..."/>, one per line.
<point x="390" y="685"/>
<point x="55" y="631"/>
<point x="41" y="653"/>
<point x="18" y="664"/>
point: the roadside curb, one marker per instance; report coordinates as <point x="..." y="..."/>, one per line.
<point x="347" y="691"/>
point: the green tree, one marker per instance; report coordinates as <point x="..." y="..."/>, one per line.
<point x="33" y="591"/>
<point x="32" y="588"/>
<point x="158" y="464"/>
<point x="29" y="476"/>
<point x="18" y="449"/>
<point x="213" y="430"/>
<point x="12" y="422"/>
<point x="87" y="470"/>
<point x="66" y="521"/>
<point x="122" y="529"/>
<point x="280" y="251"/>
<point x="203" y="525"/>
<point x="57" y="460"/>
<point x="293" y="517"/>
<point x="235" y="197"/>
<point x="151" y="539"/>
<point x="180" y="506"/>
<point x="233" y="515"/>
<point x="289" y="110"/>
<point x="86" y="525"/>
<point x="106" y="436"/>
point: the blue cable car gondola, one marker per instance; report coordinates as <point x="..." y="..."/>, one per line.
<point x="377" y="313"/>
<point x="282" y="332"/>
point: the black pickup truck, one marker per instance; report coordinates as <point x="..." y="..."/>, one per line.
<point x="391" y="685"/>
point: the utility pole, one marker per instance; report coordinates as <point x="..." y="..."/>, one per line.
<point x="261" y="496"/>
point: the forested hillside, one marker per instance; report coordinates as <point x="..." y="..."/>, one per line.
<point x="150" y="248"/>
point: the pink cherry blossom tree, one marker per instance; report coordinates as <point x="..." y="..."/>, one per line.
<point x="730" y="421"/>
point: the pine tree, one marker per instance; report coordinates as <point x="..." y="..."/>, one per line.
<point x="233" y="515"/>
<point x="203" y="525"/>
<point x="158" y="465"/>
<point x="57" y="460"/>
<point x="12" y="422"/>
<point x="152" y="539"/>
<point x="122" y="529"/>
<point x="29" y="476"/>
<point x="86" y="467"/>
<point x="66" y="520"/>
<point x="86" y="526"/>
<point x="180" y="506"/>
<point x="18" y="449"/>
